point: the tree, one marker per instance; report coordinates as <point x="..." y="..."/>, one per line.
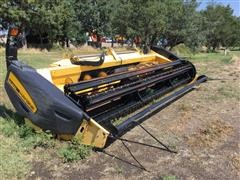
<point x="169" y="22"/>
<point x="94" y="16"/>
<point x="119" y="19"/>
<point x="181" y="23"/>
<point x="232" y="32"/>
<point x="51" y="20"/>
<point x="58" y="19"/>
<point x="165" y="22"/>
<point x="138" y="18"/>
<point x="221" y="25"/>
<point x="150" y="19"/>
<point x="14" y="12"/>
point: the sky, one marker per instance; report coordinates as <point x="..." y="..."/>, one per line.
<point x="234" y="4"/>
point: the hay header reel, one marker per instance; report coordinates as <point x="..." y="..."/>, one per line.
<point x="96" y="97"/>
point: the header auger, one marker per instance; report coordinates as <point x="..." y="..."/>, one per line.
<point x="96" y="97"/>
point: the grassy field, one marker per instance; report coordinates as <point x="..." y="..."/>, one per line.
<point x="25" y="154"/>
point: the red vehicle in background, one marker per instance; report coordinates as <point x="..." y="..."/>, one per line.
<point x="95" y="40"/>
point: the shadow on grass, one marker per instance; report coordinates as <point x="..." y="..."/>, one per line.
<point x="8" y="115"/>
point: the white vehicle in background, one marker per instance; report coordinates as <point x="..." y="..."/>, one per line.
<point x="108" y="40"/>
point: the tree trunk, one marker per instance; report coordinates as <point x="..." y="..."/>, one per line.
<point x="214" y="49"/>
<point x="112" y="43"/>
<point x="153" y="39"/>
<point x="24" y="39"/>
<point x="225" y="51"/>
<point x="62" y="41"/>
<point x="41" y="41"/>
<point x="67" y="42"/>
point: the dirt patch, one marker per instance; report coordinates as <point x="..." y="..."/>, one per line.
<point x="235" y="59"/>
<point x="235" y="162"/>
<point x="183" y="121"/>
<point x="215" y="132"/>
<point x="40" y="172"/>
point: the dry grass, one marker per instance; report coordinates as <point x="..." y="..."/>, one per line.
<point x="235" y="161"/>
<point x="213" y="133"/>
<point x="13" y="160"/>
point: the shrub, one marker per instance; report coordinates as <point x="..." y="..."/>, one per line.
<point x="74" y="151"/>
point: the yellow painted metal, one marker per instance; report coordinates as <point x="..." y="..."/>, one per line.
<point x="114" y="54"/>
<point x="100" y="88"/>
<point x="92" y="134"/>
<point x="61" y="74"/>
<point x="194" y="80"/>
<point x="63" y="71"/>
<point x="21" y="92"/>
<point x="66" y="137"/>
<point x="89" y="133"/>
<point x="84" y="91"/>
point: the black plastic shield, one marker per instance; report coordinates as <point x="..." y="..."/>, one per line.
<point x="55" y="112"/>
